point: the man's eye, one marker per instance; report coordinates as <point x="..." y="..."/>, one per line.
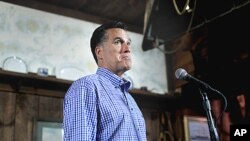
<point x="118" y="42"/>
<point x="129" y="43"/>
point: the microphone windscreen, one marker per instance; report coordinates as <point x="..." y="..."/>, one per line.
<point x="180" y="74"/>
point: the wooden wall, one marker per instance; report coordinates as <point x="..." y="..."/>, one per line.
<point x="19" y="113"/>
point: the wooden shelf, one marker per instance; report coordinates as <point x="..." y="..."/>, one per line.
<point x="51" y="86"/>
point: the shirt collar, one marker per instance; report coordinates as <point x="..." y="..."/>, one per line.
<point x="113" y="78"/>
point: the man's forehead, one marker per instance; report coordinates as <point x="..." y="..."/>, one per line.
<point x="118" y="33"/>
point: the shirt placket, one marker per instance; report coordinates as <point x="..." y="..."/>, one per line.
<point x="129" y="107"/>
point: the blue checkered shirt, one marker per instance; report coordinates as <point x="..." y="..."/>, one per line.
<point x="98" y="107"/>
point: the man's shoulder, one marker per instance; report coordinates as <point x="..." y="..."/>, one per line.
<point x="82" y="84"/>
<point x="88" y="79"/>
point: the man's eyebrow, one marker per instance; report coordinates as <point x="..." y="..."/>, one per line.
<point x="118" y="38"/>
<point x="129" y="39"/>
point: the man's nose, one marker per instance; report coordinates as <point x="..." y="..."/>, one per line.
<point x="126" y="47"/>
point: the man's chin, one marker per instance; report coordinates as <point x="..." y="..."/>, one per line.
<point x="127" y="67"/>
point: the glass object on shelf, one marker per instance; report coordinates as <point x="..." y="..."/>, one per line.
<point x="15" y="64"/>
<point x="69" y="72"/>
<point x="43" y="71"/>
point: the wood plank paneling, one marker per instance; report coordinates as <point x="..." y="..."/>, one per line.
<point x="32" y="108"/>
<point x="7" y="116"/>
<point x="152" y="124"/>
<point x="26" y="111"/>
<point x="50" y="109"/>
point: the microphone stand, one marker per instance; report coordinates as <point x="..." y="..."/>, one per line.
<point x="212" y="130"/>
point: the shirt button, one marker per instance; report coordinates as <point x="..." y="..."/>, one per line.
<point x="131" y="109"/>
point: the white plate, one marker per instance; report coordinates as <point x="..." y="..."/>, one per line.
<point x="69" y="73"/>
<point x="15" y="64"/>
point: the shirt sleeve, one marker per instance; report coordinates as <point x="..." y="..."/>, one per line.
<point x="80" y="116"/>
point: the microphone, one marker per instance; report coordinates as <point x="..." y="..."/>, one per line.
<point x="182" y="74"/>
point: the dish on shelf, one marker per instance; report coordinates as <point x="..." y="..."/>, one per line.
<point x="15" y="64"/>
<point x="69" y="73"/>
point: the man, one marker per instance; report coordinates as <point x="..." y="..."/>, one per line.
<point x="98" y="106"/>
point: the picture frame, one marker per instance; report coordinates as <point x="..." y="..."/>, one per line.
<point x="48" y="130"/>
<point x="196" y="128"/>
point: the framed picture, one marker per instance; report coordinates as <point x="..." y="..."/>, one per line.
<point x="196" y="128"/>
<point x="48" y="131"/>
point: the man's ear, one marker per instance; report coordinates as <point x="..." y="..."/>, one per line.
<point x="99" y="53"/>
